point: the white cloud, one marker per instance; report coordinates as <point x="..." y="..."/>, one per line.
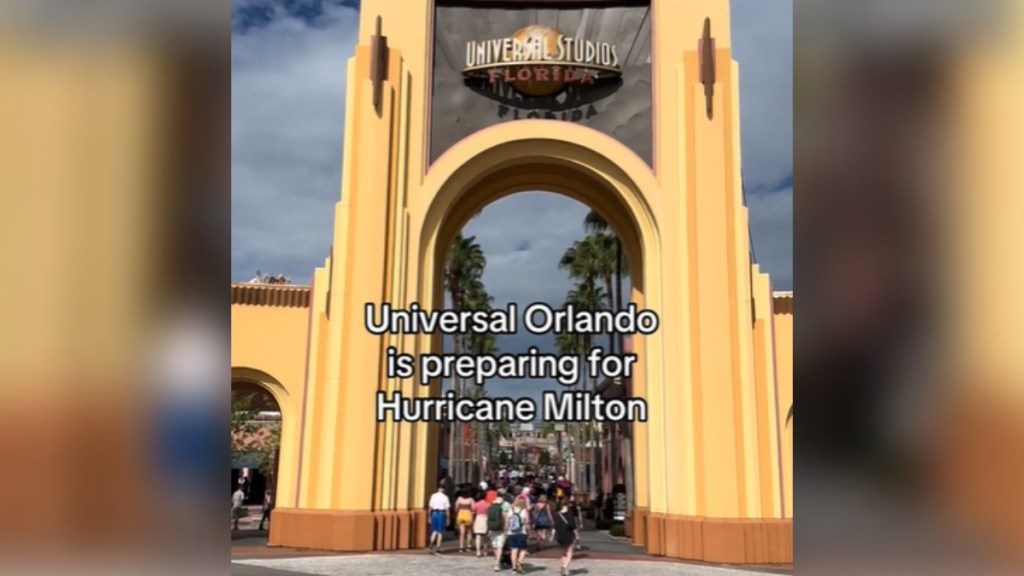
<point x="288" y="106"/>
<point x="288" y="109"/>
<point x="523" y="237"/>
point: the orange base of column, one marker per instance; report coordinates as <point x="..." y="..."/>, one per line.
<point x="722" y="541"/>
<point x="637" y="526"/>
<point x="348" y="531"/>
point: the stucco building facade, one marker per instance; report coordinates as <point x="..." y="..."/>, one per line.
<point x="428" y="143"/>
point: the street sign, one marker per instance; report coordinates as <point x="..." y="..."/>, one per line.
<point x="559" y="427"/>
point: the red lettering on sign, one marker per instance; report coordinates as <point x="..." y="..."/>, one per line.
<point x="552" y="74"/>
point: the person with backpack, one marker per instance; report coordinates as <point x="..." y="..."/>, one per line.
<point x="497" y="514"/>
<point x="542" y="520"/>
<point x="517" y="533"/>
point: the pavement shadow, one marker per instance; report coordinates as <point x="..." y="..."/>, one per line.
<point x="532" y="568"/>
<point x="249" y="534"/>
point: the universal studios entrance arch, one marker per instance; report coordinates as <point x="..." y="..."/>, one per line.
<point x="630" y="107"/>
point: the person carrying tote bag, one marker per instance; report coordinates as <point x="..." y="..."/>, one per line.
<point x="566" y="534"/>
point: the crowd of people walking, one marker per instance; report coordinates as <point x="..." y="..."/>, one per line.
<point x="507" y="518"/>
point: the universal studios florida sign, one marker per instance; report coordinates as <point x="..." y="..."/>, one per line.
<point x="540" y="61"/>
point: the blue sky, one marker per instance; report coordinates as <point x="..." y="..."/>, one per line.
<point x="288" y="109"/>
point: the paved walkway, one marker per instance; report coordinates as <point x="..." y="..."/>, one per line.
<point x="601" y="555"/>
<point x="457" y="565"/>
<point x="252" y="521"/>
<point x="251" y="543"/>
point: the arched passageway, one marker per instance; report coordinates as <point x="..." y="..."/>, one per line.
<point x="707" y="485"/>
<point x="571" y="161"/>
<point x="255" y="439"/>
<point x="263" y="438"/>
<point x="529" y="248"/>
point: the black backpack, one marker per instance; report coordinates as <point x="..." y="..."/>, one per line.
<point x="495" y="517"/>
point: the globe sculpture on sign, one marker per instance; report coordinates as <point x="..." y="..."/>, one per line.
<point x="543" y="42"/>
<point x="538" y="61"/>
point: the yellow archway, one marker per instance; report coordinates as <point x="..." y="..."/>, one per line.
<point x="549" y="156"/>
<point x="712" y="465"/>
<point x="290" y="423"/>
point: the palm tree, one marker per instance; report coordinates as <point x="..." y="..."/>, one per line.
<point x="549" y="429"/>
<point x="589" y="260"/>
<point x="571" y="345"/>
<point x="475" y="452"/>
<point x="495" y="432"/>
<point x="501" y="429"/>
<point x="588" y="296"/>
<point x="592" y="257"/>
<point x="598" y="257"/>
<point x="485" y="345"/>
<point x="479" y="344"/>
<point x="463" y="268"/>
<point x="593" y="223"/>
<point x="586" y="261"/>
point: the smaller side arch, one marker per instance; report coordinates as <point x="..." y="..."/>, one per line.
<point x="267" y="382"/>
<point x="287" y="464"/>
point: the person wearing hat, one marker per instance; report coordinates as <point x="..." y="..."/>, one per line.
<point x="542" y="520"/>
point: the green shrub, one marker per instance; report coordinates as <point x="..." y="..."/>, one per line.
<point x="617" y="530"/>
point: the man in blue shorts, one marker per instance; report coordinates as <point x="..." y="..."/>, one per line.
<point x="440" y="506"/>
